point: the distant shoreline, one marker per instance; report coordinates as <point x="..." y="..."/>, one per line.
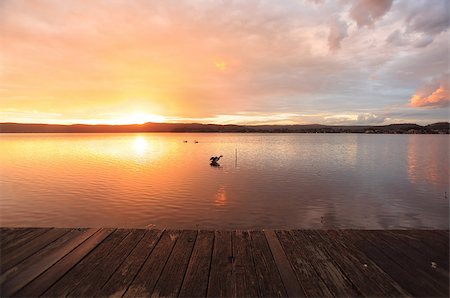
<point x="406" y="128"/>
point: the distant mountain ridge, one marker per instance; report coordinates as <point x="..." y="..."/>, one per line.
<point x="440" y="127"/>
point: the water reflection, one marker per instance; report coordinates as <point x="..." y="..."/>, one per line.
<point x="140" y="145"/>
<point x="282" y="181"/>
<point x="428" y="162"/>
<point x="220" y="198"/>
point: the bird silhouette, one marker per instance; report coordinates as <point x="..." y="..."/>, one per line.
<point x="214" y="161"/>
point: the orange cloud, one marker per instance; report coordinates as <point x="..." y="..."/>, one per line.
<point x="434" y="95"/>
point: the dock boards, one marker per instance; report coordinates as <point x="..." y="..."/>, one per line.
<point x="295" y="263"/>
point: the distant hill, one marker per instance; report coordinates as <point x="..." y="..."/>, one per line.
<point x="441" y="127"/>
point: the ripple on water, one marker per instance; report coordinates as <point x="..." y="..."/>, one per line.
<point x="277" y="181"/>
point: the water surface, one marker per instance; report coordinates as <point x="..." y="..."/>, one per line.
<point x="274" y="181"/>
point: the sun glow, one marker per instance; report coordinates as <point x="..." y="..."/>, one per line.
<point x="140" y="118"/>
<point x="220" y="65"/>
<point x="140" y="145"/>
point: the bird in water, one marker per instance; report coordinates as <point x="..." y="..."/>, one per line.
<point x="185" y="141"/>
<point x="214" y="161"/>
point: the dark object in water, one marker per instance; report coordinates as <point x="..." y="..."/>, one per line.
<point x="214" y="161"/>
<point x="185" y="141"/>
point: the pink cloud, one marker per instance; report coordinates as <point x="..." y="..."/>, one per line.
<point x="366" y="12"/>
<point x="435" y="94"/>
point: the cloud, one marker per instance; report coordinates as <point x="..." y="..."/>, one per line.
<point x="396" y="38"/>
<point x="423" y="41"/>
<point x="399" y="39"/>
<point x="366" y="12"/>
<point x="435" y="94"/>
<point x="355" y="119"/>
<point x="290" y="118"/>
<point x="369" y="118"/>
<point x="316" y="1"/>
<point x="429" y="17"/>
<point x="245" y="118"/>
<point x="338" y="31"/>
<point x="423" y="21"/>
<point x="199" y="59"/>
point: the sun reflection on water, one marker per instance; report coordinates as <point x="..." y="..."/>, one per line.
<point x="220" y="197"/>
<point x="298" y="181"/>
<point x="140" y="145"/>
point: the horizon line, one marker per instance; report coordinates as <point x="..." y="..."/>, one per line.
<point x="218" y="124"/>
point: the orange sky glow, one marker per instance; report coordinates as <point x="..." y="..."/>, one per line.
<point x="125" y="62"/>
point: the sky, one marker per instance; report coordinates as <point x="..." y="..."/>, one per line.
<point x="245" y="62"/>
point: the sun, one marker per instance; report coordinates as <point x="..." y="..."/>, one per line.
<point x="220" y="65"/>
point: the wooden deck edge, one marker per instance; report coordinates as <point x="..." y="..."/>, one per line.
<point x="290" y="281"/>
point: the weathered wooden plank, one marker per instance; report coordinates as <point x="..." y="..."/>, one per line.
<point x="244" y="267"/>
<point x="14" y="257"/>
<point x="10" y="234"/>
<point x="6" y="231"/>
<point x="140" y="263"/>
<point x="24" y="272"/>
<point x="444" y="235"/>
<point x="92" y="262"/>
<point x="329" y="272"/>
<point x="195" y="282"/>
<point x="399" y="254"/>
<point x="221" y="279"/>
<point x="19" y="239"/>
<point x="310" y="281"/>
<point x="426" y="242"/>
<point x="380" y="255"/>
<point x="18" y="268"/>
<point x="171" y="278"/>
<point x="146" y="279"/>
<point x="44" y="281"/>
<point x="124" y="275"/>
<point x="434" y="238"/>
<point x="288" y="277"/>
<point x="365" y="275"/>
<point x="95" y="279"/>
<point x="269" y="278"/>
<point x="419" y="255"/>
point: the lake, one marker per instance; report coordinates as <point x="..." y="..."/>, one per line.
<point x="264" y="181"/>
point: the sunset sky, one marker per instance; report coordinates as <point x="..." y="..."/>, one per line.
<point x="245" y="62"/>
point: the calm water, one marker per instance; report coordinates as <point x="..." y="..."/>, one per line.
<point x="276" y="181"/>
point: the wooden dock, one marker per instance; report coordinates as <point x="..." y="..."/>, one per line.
<point x="295" y="263"/>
